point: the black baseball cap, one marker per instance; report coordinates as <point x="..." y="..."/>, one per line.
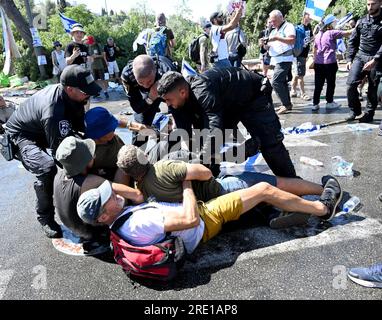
<point x="78" y="77"/>
<point x="215" y="15"/>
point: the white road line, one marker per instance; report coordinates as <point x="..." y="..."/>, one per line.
<point x="273" y="242"/>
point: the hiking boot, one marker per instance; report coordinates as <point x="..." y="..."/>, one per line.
<point x="316" y="107"/>
<point x="366" y="118"/>
<point x="52" y="229"/>
<point x="370" y="277"/>
<point x="331" y="197"/>
<point x="332" y="105"/>
<point x="287" y="219"/>
<point x="284" y="110"/>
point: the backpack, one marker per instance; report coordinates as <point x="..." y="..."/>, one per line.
<point x="300" y="37"/>
<point x="160" y="261"/>
<point x="194" y="49"/>
<point x="157" y="43"/>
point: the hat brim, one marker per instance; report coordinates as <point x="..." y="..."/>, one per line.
<point x="77" y="29"/>
<point x="105" y="192"/>
<point x="91" y="89"/>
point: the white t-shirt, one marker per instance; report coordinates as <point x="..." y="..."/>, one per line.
<point x="146" y="226"/>
<point x="60" y="57"/>
<point x="219" y="43"/>
<point x="277" y="48"/>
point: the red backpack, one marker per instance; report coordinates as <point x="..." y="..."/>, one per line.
<point x="160" y="261"/>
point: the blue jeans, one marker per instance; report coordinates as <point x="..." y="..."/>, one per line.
<point x="245" y="180"/>
<point x="221" y="64"/>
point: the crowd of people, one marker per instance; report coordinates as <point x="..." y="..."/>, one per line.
<point x="86" y="174"/>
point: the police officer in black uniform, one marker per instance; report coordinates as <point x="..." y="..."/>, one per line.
<point x="39" y="125"/>
<point x="219" y="99"/>
<point x="364" y="53"/>
<point x="141" y="92"/>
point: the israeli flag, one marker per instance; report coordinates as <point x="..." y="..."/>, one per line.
<point x="342" y="22"/>
<point x="187" y="70"/>
<point x="67" y="23"/>
<point x="341" y="47"/>
<point x="316" y="8"/>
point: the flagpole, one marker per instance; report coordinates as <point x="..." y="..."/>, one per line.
<point x="37" y="50"/>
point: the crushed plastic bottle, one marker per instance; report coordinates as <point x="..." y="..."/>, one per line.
<point x="351" y="204"/>
<point x="310" y="161"/>
<point x="341" y="168"/>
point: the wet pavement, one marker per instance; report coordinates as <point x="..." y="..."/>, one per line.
<point x="247" y="261"/>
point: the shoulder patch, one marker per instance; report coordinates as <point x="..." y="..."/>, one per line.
<point x="64" y="127"/>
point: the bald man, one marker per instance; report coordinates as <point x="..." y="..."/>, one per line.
<point x="139" y="79"/>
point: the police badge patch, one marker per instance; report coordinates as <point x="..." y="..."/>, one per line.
<point x="64" y="127"/>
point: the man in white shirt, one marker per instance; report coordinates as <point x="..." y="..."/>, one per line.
<point x="195" y="221"/>
<point x="280" y="45"/>
<point x="219" y="43"/>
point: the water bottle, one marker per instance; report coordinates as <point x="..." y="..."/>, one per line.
<point x="310" y="161"/>
<point x="350" y="204"/>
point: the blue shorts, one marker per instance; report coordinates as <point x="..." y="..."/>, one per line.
<point x="245" y="180"/>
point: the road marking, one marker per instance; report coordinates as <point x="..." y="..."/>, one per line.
<point x="5" y="278"/>
<point x="269" y="242"/>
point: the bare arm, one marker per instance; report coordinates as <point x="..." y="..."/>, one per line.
<point x="197" y="172"/>
<point x="189" y="217"/>
<point x="92" y="181"/>
<point x="233" y="23"/>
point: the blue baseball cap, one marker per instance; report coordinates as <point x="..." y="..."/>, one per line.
<point x="99" y="122"/>
<point x="90" y="203"/>
<point x="329" y="19"/>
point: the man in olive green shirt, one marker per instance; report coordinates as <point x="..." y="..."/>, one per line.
<point x="162" y="181"/>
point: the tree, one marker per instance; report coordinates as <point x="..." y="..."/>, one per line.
<point x="17" y="18"/>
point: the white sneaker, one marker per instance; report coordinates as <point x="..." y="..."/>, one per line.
<point x="316" y="107"/>
<point x="332" y="105"/>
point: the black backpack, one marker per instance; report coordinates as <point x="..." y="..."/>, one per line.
<point x="194" y="49"/>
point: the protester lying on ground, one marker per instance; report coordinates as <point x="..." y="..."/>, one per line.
<point x="218" y="100"/>
<point x="77" y="158"/>
<point x="162" y="181"/>
<point x="195" y="221"/>
<point x="40" y="124"/>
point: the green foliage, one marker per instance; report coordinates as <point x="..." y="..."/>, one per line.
<point x="27" y="65"/>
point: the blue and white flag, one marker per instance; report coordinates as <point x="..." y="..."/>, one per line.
<point x="67" y="23"/>
<point x="342" y="22"/>
<point x="316" y="8"/>
<point x="187" y="70"/>
<point x="341" y="47"/>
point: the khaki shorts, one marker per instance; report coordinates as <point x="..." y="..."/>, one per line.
<point x="219" y="211"/>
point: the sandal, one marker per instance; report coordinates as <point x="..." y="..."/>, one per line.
<point x="305" y="97"/>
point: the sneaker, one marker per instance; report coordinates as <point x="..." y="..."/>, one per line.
<point x="286" y="220"/>
<point x="316" y="107"/>
<point x="305" y="97"/>
<point x="331" y="197"/>
<point x="366" y="118"/>
<point x="332" y="105"/>
<point x="52" y="230"/>
<point x="106" y="95"/>
<point x="351" y="116"/>
<point x="325" y="179"/>
<point x="370" y="277"/>
<point x="293" y="94"/>
<point x="284" y="109"/>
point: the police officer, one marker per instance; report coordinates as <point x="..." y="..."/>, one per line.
<point x="139" y="78"/>
<point x="364" y="52"/>
<point x="223" y="97"/>
<point x="39" y="125"/>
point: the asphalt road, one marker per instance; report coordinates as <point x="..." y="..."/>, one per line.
<point x="248" y="261"/>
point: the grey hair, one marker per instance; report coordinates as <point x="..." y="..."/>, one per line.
<point x="143" y="66"/>
<point x="133" y="162"/>
<point x="276" y="13"/>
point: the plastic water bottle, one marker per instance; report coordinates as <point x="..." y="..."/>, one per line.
<point x="350" y="204"/>
<point x="310" y="161"/>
